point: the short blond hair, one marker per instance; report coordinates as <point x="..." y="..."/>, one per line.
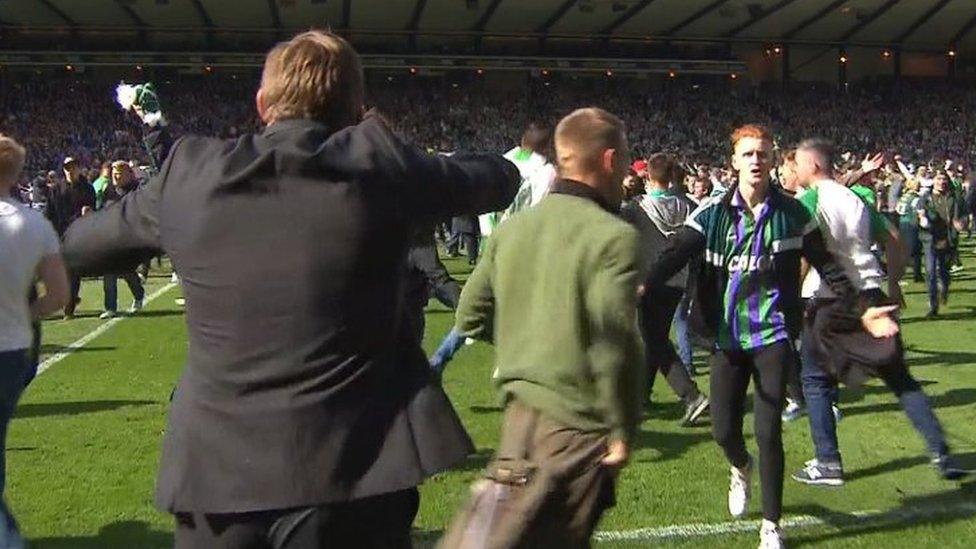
<point x="315" y="75"/>
<point x="12" y="157"/>
<point x="582" y="135"/>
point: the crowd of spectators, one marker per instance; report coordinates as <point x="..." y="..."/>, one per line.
<point x="73" y="116"/>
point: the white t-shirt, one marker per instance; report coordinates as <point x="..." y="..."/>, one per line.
<point x="846" y="226"/>
<point x="537" y="175"/>
<point x="25" y="238"/>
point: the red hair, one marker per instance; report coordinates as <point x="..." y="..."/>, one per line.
<point x="756" y="131"/>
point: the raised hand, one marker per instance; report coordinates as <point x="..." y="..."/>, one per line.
<point x="872" y="163"/>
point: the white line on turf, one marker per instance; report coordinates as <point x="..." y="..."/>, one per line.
<point x="101" y="329"/>
<point x="840" y="521"/>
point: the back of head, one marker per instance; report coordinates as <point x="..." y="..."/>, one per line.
<point x="820" y="151"/>
<point x="316" y="75"/>
<point x="582" y="137"/>
<point x="536" y="138"/>
<point x="660" y="169"/>
<point x="814" y="160"/>
<point x="12" y="156"/>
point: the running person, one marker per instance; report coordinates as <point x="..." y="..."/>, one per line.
<point x="849" y="229"/>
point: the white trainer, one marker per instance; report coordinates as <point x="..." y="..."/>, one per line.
<point x="770" y="536"/>
<point x="740" y="489"/>
<point x="136" y="306"/>
<point x="107" y="315"/>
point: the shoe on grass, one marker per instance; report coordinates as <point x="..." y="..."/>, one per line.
<point x="740" y="489"/>
<point x="948" y="468"/>
<point x="694" y="410"/>
<point x="793" y="411"/>
<point x="771" y="536"/>
<point x="820" y="474"/>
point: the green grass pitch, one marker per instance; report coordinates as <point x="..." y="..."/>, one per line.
<point x="83" y="448"/>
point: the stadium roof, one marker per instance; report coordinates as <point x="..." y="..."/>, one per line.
<point x="931" y="25"/>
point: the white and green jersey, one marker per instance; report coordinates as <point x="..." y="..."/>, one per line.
<point x="537" y="176"/>
<point x="845" y="222"/>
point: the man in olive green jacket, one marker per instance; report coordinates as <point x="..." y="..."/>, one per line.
<point x="556" y="293"/>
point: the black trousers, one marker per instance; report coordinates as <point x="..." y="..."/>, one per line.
<point x="470" y="243"/>
<point x="655" y="313"/>
<point x="379" y="522"/>
<point x="441" y="284"/>
<point x="74" y="283"/>
<point x="730" y="375"/>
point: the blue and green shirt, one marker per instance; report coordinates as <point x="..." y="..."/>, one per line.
<point x="744" y="245"/>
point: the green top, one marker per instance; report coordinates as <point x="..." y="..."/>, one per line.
<point x="556" y="290"/>
<point x="100" y="185"/>
<point x="879" y="223"/>
<point x="907" y="208"/>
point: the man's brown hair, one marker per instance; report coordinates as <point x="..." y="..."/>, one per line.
<point x="315" y="75"/>
<point x="660" y="168"/>
<point x="12" y="156"/>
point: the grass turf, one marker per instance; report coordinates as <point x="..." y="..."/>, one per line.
<point x="83" y="448"/>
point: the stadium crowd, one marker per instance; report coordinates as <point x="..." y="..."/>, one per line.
<point x="68" y="115"/>
<point x="323" y="420"/>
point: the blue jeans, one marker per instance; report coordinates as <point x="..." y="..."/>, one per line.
<point x="681" y="332"/>
<point x="15" y="366"/>
<point x="820" y="390"/>
<point x="452" y="342"/>
<point x="937" y="271"/>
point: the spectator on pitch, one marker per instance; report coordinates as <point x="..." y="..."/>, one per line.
<point x="67" y="201"/>
<point x="570" y="375"/>
<point x="657" y="215"/>
<point x="306" y="415"/>
<point x="748" y="291"/>
<point x="537" y="173"/>
<point x="30" y="250"/>
<point x="123" y="181"/>
<point x="848" y="228"/>
<point x="939" y="211"/>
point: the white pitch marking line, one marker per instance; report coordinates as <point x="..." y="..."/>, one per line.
<point x="844" y="521"/>
<point x="101" y="329"/>
<point x="906" y="515"/>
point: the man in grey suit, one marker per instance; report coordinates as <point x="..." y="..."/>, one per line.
<point x="306" y="415"/>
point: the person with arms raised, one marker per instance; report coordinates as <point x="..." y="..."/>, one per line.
<point x="306" y="415"/>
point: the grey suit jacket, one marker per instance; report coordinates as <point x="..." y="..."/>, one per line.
<point x="303" y="384"/>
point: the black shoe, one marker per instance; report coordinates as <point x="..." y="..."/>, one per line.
<point x="945" y="297"/>
<point x="947" y="468"/>
<point x="932" y="314"/>
<point x="694" y="411"/>
<point x="818" y="474"/>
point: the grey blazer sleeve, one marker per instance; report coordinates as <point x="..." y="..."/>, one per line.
<point x="431" y="187"/>
<point x="119" y="237"/>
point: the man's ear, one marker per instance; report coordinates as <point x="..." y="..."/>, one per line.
<point x="607" y="160"/>
<point x="261" y="105"/>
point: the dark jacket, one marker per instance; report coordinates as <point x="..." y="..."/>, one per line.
<point x="65" y="202"/>
<point x="303" y="383"/>
<point x="711" y="279"/>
